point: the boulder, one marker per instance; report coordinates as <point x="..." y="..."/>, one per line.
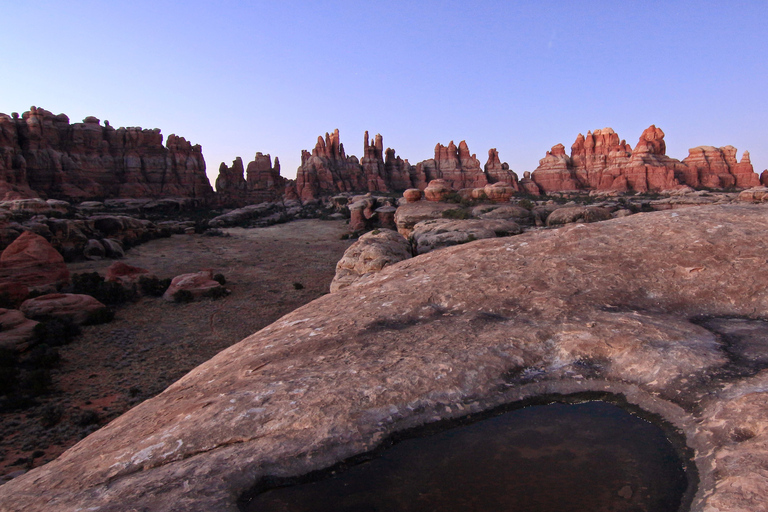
<point x="517" y="214"/>
<point x="33" y="262"/>
<point x="372" y="252"/>
<point x="409" y="214"/>
<point x="413" y="195"/>
<point x="16" y="330"/>
<point x="437" y="190"/>
<point x="571" y="214"/>
<point x="499" y="192"/>
<point x="75" y="307"/>
<point x="430" y="235"/>
<point x="126" y="275"/>
<point x="198" y="284"/>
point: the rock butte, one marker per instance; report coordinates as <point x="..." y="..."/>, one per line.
<point x="604" y="307"/>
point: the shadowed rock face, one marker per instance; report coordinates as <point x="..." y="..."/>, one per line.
<point x="604" y="307"/>
<point x="43" y="154"/>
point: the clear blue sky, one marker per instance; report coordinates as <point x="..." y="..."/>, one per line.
<point x="239" y="77"/>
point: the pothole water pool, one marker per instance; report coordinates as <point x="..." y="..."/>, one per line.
<point x="592" y="456"/>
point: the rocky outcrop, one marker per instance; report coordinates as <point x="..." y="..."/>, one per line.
<point x="260" y="182"/>
<point x="602" y="162"/>
<point x="430" y="235"/>
<point x="328" y="170"/>
<point x="459" y="332"/>
<point x="455" y="165"/>
<point x="409" y="214"/>
<point x="712" y="167"/>
<point x="372" y="252"/>
<point x="572" y="214"/>
<point x="16" y="330"/>
<point x="43" y="154"/>
<point x="34" y="263"/>
<point x="77" y="308"/>
<point x="498" y="172"/>
<point x="196" y="284"/>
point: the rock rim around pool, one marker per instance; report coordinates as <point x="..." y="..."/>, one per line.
<point x="664" y="309"/>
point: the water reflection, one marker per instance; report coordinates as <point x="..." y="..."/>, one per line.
<point x="591" y="456"/>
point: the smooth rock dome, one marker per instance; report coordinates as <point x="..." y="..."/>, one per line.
<point x="666" y="309"/>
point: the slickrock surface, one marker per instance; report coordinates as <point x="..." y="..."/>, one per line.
<point x="43" y="154"/>
<point x="605" y="307"/>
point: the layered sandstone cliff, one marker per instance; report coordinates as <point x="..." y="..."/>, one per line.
<point x="600" y="161"/>
<point x="42" y="154"/>
<point x="258" y="183"/>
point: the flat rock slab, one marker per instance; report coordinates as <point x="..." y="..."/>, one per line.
<point x="626" y="306"/>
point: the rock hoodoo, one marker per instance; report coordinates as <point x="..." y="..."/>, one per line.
<point x="600" y="161"/>
<point x="42" y="154"/>
<point x="260" y="182"/>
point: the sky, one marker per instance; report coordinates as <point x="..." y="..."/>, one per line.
<point x="239" y="77"/>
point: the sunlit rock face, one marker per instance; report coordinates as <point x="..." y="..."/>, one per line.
<point x="42" y="154"/>
<point x="600" y="161"/>
<point x="665" y="309"/>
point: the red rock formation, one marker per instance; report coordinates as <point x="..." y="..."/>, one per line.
<point x="32" y="262"/>
<point x="260" y="182"/>
<point x="43" y="154"/>
<point x="496" y="172"/>
<point x="600" y="161"/>
<point x="328" y="170"/>
<point x="712" y="167"/>
<point x="455" y="165"/>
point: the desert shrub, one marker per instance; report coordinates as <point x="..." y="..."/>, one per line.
<point x="219" y="278"/>
<point x="51" y="415"/>
<point x="457" y="213"/>
<point x="216" y="293"/>
<point x="42" y="356"/>
<point x="54" y="332"/>
<point x="87" y="417"/>
<point x="215" y="232"/>
<point x="36" y="382"/>
<point x="153" y="287"/>
<point x="100" y="316"/>
<point x="452" y="197"/>
<point x="526" y="203"/>
<point x="8" y="302"/>
<point x="298" y="286"/>
<point x="91" y="283"/>
<point x="9" y="372"/>
<point x="183" y="297"/>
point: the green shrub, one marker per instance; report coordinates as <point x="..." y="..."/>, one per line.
<point x="298" y="286"/>
<point x="219" y="278"/>
<point x="526" y="203"/>
<point x="457" y="213"/>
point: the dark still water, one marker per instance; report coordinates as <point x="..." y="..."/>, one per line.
<point x="588" y="457"/>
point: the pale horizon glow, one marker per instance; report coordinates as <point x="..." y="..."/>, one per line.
<point x="245" y="77"/>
